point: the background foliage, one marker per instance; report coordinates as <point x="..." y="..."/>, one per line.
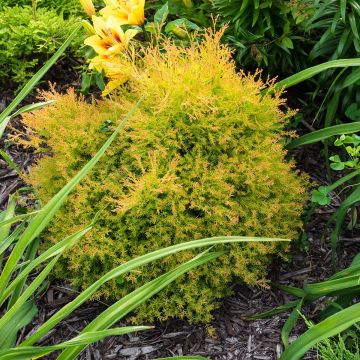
<point x="64" y="7"/>
<point x="266" y="33"/>
<point x="28" y="39"/>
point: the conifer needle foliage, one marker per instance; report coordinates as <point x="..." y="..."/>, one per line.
<point x="202" y="156"/>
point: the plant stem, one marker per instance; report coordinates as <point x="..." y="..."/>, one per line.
<point x="145" y="33"/>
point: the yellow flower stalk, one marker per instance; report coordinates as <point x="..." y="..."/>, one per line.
<point x="109" y="38"/>
<point x="127" y="12"/>
<point x="88" y="7"/>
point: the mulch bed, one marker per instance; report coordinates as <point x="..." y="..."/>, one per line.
<point x="235" y="336"/>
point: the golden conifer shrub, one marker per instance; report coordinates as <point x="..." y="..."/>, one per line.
<point x="201" y="157"/>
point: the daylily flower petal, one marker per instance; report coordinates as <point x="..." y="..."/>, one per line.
<point x="125" y="11"/>
<point x="109" y="38"/>
<point x="97" y="44"/>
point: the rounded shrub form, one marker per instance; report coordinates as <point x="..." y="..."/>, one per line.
<point x="201" y="157"/>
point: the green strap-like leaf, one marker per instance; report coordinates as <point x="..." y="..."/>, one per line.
<point x="314" y="70"/>
<point x="323" y="134"/>
<point x="8" y="332"/>
<point x="290" y="323"/>
<point x="130" y="265"/>
<point x="55" y="250"/>
<point x="131" y="301"/>
<point x="331" y="326"/>
<point x="278" y="310"/>
<point x="29" y="352"/>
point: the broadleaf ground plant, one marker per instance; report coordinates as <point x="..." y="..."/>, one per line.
<point x="203" y="157"/>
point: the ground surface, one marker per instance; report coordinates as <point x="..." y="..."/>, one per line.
<point x="235" y="336"/>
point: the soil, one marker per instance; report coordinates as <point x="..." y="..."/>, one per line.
<point x="235" y="337"/>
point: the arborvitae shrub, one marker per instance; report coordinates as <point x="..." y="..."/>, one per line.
<point x="201" y="157"/>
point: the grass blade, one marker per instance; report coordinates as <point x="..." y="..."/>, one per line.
<point x="7" y="214"/>
<point x="28" y="293"/>
<point x="290" y="323"/>
<point x="339" y="216"/>
<point x="10" y="162"/>
<point x="32" y="107"/>
<point x="330" y="286"/>
<point x="278" y="310"/>
<point x="55" y="250"/>
<point x="314" y="70"/>
<point x="25" y="108"/>
<point x="324" y="134"/>
<point x="8" y="333"/>
<point x="329" y="327"/>
<point x="17" y="218"/>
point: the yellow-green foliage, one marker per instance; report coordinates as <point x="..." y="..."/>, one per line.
<point x="201" y="157"/>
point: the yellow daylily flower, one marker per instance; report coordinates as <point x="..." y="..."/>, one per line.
<point x="116" y="70"/>
<point x="109" y="38"/>
<point x="88" y="7"/>
<point x="129" y="12"/>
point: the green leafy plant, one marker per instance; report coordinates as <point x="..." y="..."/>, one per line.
<point x="321" y="195"/>
<point x="64" y="7"/>
<point x="266" y="33"/>
<point x="198" y="12"/>
<point x="198" y="160"/>
<point x="29" y="39"/>
<point x="343" y="347"/>
<point x="339" y="314"/>
<point x="352" y="148"/>
<point x="334" y="25"/>
<point x="351" y="145"/>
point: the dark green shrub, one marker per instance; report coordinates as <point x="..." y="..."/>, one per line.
<point x="266" y="33"/>
<point x="201" y="157"/>
<point x="28" y="39"/>
<point x="335" y="27"/>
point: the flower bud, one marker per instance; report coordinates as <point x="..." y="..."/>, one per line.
<point x="88" y="7"/>
<point x="188" y="3"/>
<point x="88" y="27"/>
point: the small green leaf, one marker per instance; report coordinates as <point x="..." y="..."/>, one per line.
<point x="106" y="126"/>
<point x="353" y="112"/>
<point x="338" y="166"/>
<point x="162" y="14"/>
<point x="182" y="23"/>
<point x="320" y="196"/>
<point x="287" y="42"/>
